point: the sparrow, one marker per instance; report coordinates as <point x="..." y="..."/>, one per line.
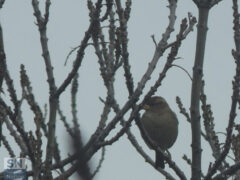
<point x="160" y="125"/>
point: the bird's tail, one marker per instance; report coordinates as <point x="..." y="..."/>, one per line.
<point x="159" y="160"/>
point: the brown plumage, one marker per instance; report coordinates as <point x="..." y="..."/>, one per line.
<point x="161" y="125"/>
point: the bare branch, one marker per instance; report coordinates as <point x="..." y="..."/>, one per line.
<point x="80" y="53"/>
<point x="100" y="162"/>
<point x="235" y="95"/>
<point x="183" y="70"/>
<point x="195" y="95"/>
<point x="228" y="172"/>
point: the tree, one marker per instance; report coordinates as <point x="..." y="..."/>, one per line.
<point x="107" y="33"/>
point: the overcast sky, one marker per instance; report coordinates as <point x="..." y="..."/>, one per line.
<point x="67" y="24"/>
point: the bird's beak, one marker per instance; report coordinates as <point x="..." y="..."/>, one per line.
<point x="146" y="107"/>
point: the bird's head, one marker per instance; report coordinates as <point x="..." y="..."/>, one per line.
<point x="155" y="102"/>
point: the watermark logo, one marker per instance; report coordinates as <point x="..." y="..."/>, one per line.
<point x="14" y="169"/>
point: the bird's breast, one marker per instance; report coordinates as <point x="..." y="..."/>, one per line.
<point x="162" y="127"/>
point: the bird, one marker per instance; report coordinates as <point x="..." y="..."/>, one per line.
<point x="160" y="124"/>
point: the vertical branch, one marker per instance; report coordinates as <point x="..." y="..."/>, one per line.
<point x="235" y="95"/>
<point x="203" y="9"/>
<point x="195" y="96"/>
<point x="2" y="72"/>
<point x="36" y="143"/>
<point x="42" y="26"/>
<point x="124" y="43"/>
<point x="2" y="59"/>
<point x="208" y="121"/>
<point x="74" y="105"/>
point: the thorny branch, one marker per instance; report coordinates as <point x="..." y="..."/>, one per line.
<point x="235" y="95"/>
